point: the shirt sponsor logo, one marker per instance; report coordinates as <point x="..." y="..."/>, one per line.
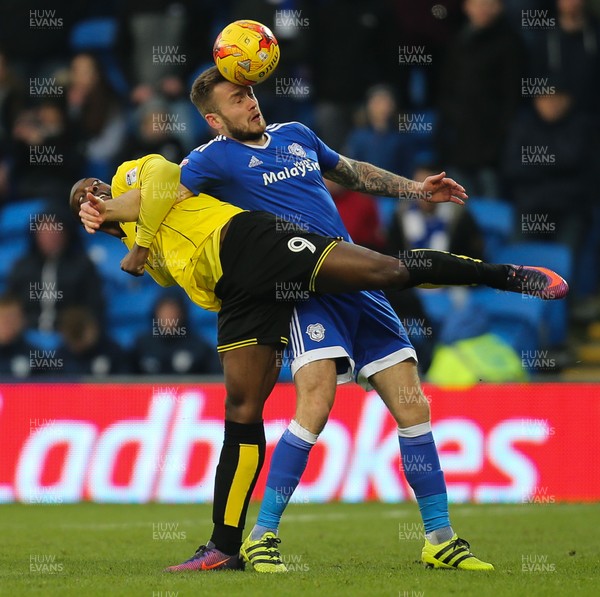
<point x="299" y="169"/>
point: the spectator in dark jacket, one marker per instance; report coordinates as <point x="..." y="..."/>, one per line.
<point x="95" y="111"/>
<point x="15" y="351"/>
<point x="11" y="96"/>
<point x="172" y="347"/>
<point x="480" y="91"/>
<point x="549" y="159"/>
<point x="86" y="349"/>
<point x="46" y="159"/>
<point x="379" y="141"/>
<point x="569" y="53"/>
<point x="154" y="134"/>
<point x="360" y="51"/>
<point x="55" y="273"/>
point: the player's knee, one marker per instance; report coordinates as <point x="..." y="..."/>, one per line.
<point x="242" y="404"/>
<point x="422" y="410"/>
<point x="314" y="400"/>
<point x="413" y="408"/>
<point x="313" y="417"/>
<point x="243" y="411"/>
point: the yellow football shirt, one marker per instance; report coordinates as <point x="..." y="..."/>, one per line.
<point x="184" y="246"/>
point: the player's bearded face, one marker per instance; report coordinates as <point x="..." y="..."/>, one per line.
<point x="239" y="112"/>
<point x="244" y="127"/>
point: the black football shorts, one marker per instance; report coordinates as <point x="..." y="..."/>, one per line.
<point x="268" y="266"/>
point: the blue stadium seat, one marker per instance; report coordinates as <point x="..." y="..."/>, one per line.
<point x="437" y="304"/>
<point x="587" y="266"/>
<point x="99" y="36"/>
<point x="208" y="332"/>
<point x="125" y="334"/>
<point x="15" y="218"/>
<point x="11" y="250"/>
<point x="131" y="302"/>
<point x="518" y="320"/>
<point x="201" y="317"/>
<point x="43" y="340"/>
<point x="94" y="34"/>
<point x="204" y="323"/>
<point x="130" y="312"/>
<point x="102" y="169"/>
<point x="554" y="256"/>
<point x="496" y="221"/>
<point x="386" y="208"/>
<point x="106" y="252"/>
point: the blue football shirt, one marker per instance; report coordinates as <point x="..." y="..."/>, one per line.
<point x="283" y="176"/>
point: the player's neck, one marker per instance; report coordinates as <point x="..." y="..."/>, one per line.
<point x="254" y="142"/>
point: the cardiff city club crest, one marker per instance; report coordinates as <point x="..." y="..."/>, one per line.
<point x="297" y="150"/>
<point x="316" y="332"/>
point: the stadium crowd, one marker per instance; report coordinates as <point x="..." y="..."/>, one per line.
<point x="500" y="94"/>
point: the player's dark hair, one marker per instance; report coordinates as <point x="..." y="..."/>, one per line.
<point x="202" y="90"/>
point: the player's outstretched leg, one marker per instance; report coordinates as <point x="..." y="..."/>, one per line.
<point x="420" y="462"/>
<point x="250" y="374"/>
<point x="350" y="267"/>
<point x="315" y="393"/>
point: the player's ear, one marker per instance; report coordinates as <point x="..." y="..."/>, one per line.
<point x="214" y="120"/>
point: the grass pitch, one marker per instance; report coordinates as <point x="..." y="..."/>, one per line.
<point x="332" y="550"/>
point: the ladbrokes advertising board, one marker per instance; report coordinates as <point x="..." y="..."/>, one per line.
<point x="64" y="443"/>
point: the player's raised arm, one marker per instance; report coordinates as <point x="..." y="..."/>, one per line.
<point x="366" y="178"/>
<point x="159" y="191"/>
<point x="159" y="187"/>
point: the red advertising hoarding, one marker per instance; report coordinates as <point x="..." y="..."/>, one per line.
<point x="140" y="442"/>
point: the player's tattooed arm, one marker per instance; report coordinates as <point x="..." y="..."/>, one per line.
<point x="366" y="178"/>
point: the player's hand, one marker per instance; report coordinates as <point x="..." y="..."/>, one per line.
<point x="92" y="213"/>
<point x="439" y="189"/>
<point x="135" y="261"/>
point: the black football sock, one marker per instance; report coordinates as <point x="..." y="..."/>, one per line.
<point x="241" y="460"/>
<point x="438" y="268"/>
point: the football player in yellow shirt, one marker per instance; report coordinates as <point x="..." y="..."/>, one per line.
<point x="252" y="270"/>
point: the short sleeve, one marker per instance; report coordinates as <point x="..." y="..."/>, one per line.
<point x="328" y="159"/>
<point x="199" y="172"/>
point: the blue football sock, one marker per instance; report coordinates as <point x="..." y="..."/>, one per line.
<point x="287" y="465"/>
<point x="423" y="472"/>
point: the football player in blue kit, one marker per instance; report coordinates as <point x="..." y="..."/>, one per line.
<point x="335" y="339"/>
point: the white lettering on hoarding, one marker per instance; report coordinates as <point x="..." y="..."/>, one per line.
<point x="188" y="430"/>
<point x="373" y="458"/>
<point x="466" y="458"/>
<point x="79" y="439"/>
<point x="514" y="464"/>
<point x="355" y="463"/>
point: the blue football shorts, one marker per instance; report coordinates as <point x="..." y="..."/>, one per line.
<point x="359" y="330"/>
